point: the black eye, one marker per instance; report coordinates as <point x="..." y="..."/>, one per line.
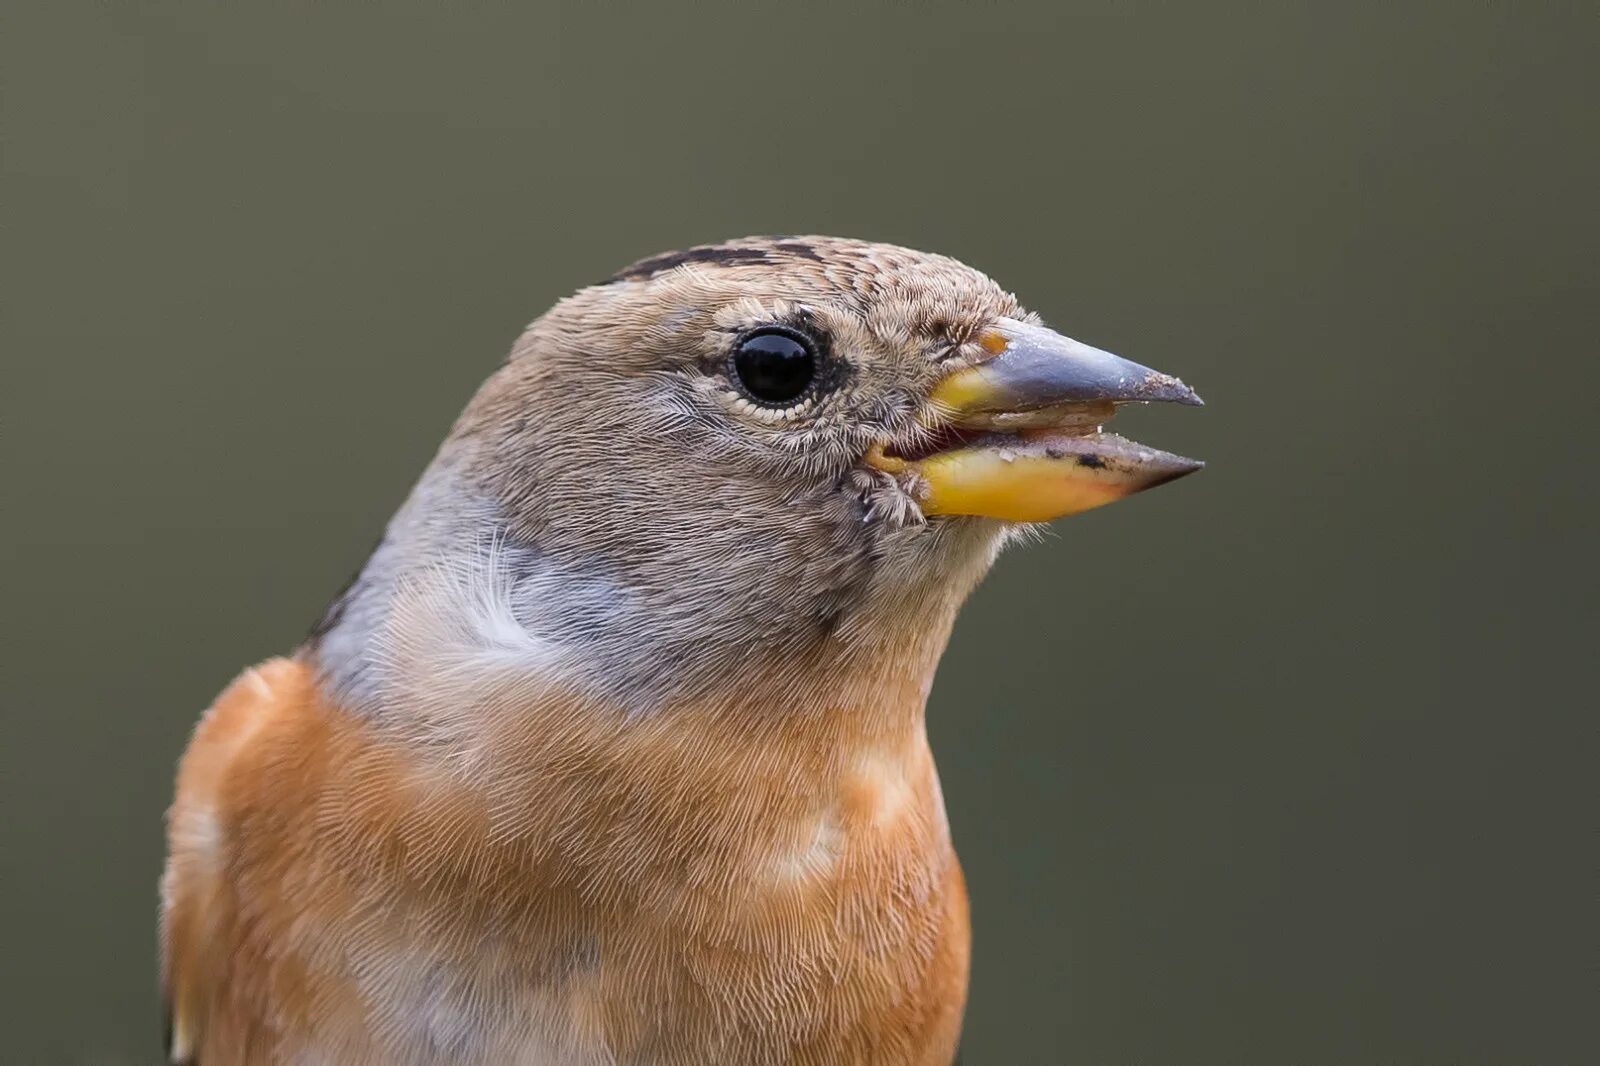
<point x="774" y="365"/>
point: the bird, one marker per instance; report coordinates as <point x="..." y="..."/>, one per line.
<point x="614" y="750"/>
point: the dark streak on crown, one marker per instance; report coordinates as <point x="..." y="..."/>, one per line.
<point x="716" y="255"/>
<point x="799" y="249"/>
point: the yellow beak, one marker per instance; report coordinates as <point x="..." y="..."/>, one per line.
<point x="1018" y="436"/>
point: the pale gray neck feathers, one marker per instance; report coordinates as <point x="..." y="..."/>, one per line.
<point x="450" y="598"/>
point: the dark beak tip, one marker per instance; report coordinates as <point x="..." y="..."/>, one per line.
<point x="1160" y="388"/>
<point x="1172" y="390"/>
<point x="1176" y="470"/>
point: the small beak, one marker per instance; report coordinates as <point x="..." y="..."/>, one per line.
<point x="1018" y="435"/>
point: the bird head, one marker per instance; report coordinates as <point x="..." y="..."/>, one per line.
<point x="775" y="445"/>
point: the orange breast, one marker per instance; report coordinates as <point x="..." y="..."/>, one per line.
<point x="704" y="884"/>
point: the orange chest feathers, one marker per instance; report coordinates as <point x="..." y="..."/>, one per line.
<point x="684" y="889"/>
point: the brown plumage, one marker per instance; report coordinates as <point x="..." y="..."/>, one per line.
<point x="614" y="750"/>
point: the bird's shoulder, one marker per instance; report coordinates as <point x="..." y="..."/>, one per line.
<point x="214" y="792"/>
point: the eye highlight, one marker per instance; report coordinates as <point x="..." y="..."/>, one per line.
<point x="774" y="366"/>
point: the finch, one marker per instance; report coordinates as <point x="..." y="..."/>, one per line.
<point x="613" y="751"/>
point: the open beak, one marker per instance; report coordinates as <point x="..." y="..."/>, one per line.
<point x="1019" y="435"/>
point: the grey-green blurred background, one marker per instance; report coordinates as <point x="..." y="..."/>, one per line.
<point x="1288" y="762"/>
